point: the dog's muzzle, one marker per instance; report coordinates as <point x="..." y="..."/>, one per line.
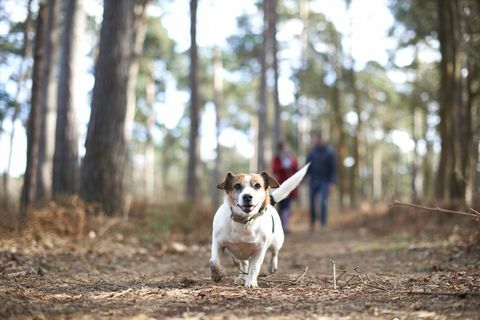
<point x="247" y="208"/>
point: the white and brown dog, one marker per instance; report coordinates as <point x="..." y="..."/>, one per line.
<point x="247" y="225"/>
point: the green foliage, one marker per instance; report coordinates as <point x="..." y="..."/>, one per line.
<point x="416" y="21"/>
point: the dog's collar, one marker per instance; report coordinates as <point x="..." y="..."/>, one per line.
<point x="246" y="220"/>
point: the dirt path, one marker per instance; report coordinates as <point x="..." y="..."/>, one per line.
<point x="394" y="277"/>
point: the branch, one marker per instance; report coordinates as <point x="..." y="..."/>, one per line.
<point x="472" y="213"/>
<point x="334" y="275"/>
<point x="461" y="294"/>
<point x="302" y="275"/>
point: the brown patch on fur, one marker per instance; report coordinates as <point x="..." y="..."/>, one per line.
<point x="269" y="180"/>
<point x="226" y="184"/>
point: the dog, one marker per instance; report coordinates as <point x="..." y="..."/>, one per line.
<point x="247" y="225"/>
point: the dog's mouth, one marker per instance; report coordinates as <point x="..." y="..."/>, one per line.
<point x="247" y="208"/>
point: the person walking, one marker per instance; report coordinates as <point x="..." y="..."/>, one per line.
<point x="284" y="165"/>
<point x="322" y="173"/>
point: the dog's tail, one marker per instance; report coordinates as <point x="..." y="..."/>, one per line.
<point x="288" y="185"/>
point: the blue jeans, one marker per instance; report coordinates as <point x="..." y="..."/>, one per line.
<point x="319" y="187"/>
<point x="284" y="212"/>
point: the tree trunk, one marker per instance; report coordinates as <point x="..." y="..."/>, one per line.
<point x="137" y="41"/>
<point x="103" y="168"/>
<point x="33" y="126"/>
<point x="262" y="103"/>
<point x="338" y="133"/>
<point x="193" y="147"/>
<point x="22" y="76"/>
<point x="65" y="162"/>
<point x="304" y="121"/>
<point x="272" y="26"/>
<point x="377" y="171"/>
<point x="358" y="147"/>
<point x="446" y="173"/>
<point x="48" y="102"/>
<point x="416" y="126"/>
<point x="217" y="96"/>
<point x="149" y="146"/>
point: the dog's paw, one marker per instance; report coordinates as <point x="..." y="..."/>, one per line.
<point x="251" y="283"/>
<point x="272" y="269"/>
<point x="216" y="272"/>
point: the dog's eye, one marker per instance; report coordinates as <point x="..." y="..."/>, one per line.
<point x="257" y="186"/>
<point x="237" y="186"/>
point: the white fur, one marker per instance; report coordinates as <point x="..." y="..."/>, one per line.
<point x="249" y="243"/>
<point x="291" y="183"/>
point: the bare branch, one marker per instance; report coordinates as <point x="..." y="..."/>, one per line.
<point x="302" y="275"/>
<point x="474" y="214"/>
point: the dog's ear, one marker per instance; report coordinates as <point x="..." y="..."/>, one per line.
<point x="269" y="180"/>
<point x="227" y="183"/>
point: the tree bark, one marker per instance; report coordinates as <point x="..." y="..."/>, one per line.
<point x="217" y="97"/>
<point x="137" y="41"/>
<point x="358" y="145"/>
<point x="22" y="76"/>
<point x="338" y="132"/>
<point x="272" y="26"/>
<point x="304" y="124"/>
<point x="149" y="146"/>
<point x="103" y="168"/>
<point x="48" y="102"/>
<point x="33" y="125"/>
<point x="262" y="103"/>
<point x="193" y="147"/>
<point x="446" y="167"/>
<point x="65" y="163"/>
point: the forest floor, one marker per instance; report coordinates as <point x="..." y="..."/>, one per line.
<point x="400" y="265"/>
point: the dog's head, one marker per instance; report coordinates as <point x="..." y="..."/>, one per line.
<point x="247" y="193"/>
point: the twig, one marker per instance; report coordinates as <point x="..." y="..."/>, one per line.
<point x="442" y="293"/>
<point x="288" y="281"/>
<point x="343" y="272"/>
<point x="348" y="281"/>
<point x="302" y="275"/>
<point x="119" y="294"/>
<point x="475" y="213"/>
<point x="334" y="275"/>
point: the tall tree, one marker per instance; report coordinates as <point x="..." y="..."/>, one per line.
<point x="193" y="147"/>
<point x="262" y="95"/>
<point x="21" y="79"/>
<point x="33" y="126"/>
<point x="218" y="101"/>
<point x="272" y="27"/>
<point x="446" y="178"/>
<point x="48" y="101"/>
<point x="65" y="163"/>
<point x="103" y="168"/>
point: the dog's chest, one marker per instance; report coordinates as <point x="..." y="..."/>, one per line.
<point x="243" y="250"/>
<point x="243" y="243"/>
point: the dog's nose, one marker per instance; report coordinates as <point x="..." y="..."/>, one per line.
<point x="247" y="198"/>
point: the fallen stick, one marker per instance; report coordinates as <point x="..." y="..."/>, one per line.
<point x="289" y="281"/>
<point x="302" y="275"/>
<point x="473" y="213"/>
<point x="348" y="281"/>
<point x="334" y="275"/>
<point x="121" y="293"/>
<point x="442" y="293"/>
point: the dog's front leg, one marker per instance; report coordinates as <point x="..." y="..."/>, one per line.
<point x="254" y="268"/>
<point x="216" y="261"/>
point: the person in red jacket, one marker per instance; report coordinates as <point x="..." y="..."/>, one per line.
<point x="284" y="164"/>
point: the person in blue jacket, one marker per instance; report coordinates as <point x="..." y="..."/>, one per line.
<point x="322" y="173"/>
